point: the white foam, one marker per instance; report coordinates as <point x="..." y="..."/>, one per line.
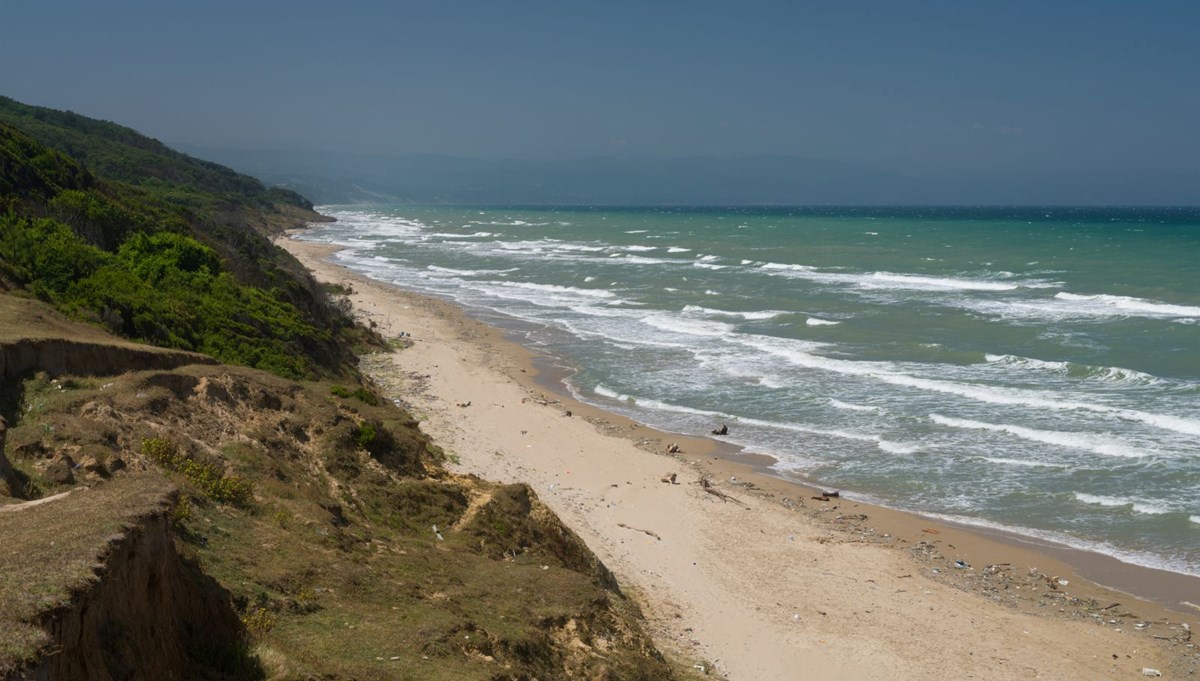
<point x="851" y="407"/>
<point x="708" y="258"/>
<point x="918" y="282"/>
<point x="641" y="248"/>
<point x="445" y="235"/>
<point x="814" y="321"/>
<point x="468" y="273"/>
<point x="1098" y="444"/>
<point x="1027" y="398"/>
<point x="636" y="231"/>
<point x="677" y="249"/>
<point x="1114" y="374"/>
<point x="691" y="327"/>
<point x="1138" y="506"/>
<point x="784" y="267"/>
<point x="710" y="292"/>
<point x="643" y="260"/>
<point x="1195" y="519"/>
<point x="605" y="391"/>
<point x="579" y="248"/>
<point x="709" y="266"/>
<point x="1130" y="306"/>
<point x="897" y="447"/>
<point x="556" y="289"/>
<point x="1020" y="462"/>
<point x="764" y="314"/>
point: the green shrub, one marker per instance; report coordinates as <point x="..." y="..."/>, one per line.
<point x="339" y="391"/>
<point x="208" y="479"/>
<point x="364" y="435"/>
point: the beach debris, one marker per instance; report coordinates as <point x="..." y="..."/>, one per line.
<point x="930" y="530"/>
<point x="464" y="404"/>
<point x="834" y="494"/>
<point x="1150" y="671"/>
<point x="961" y="564"/>
<point x="674" y="448"/>
<point x="636" y="529"/>
<point x="438" y="534"/>
<point x="709" y="487"/>
<point x="669" y="479"/>
<point x="567" y="413"/>
<point x="721" y="430"/>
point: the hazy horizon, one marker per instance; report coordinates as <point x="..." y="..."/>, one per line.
<point x="1059" y="102"/>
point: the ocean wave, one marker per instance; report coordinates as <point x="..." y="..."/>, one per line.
<point x="798" y="354"/>
<point x="1138" y="506"/>
<point x="851" y="407"/>
<point x="578" y="248"/>
<point x="641" y="260"/>
<point x="814" y="321"/>
<point x="1097" y="444"/>
<point x="919" y="282"/>
<point x="1020" y="462"/>
<point x="468" y="273"/>
<point x="451" y="235"/>
<point x="893" y="280"/>
<point x="710" y="266"/>
<point x="763" y="314"/>
<point x="554" y="288"/>
<point x="1114" y="374"/>
<point x="640" y="248"/>
<point x="1127" y="305"/>
<point x="678" y="249"/>
<point x="691" y="327"/>
<point x="636" y="231"/>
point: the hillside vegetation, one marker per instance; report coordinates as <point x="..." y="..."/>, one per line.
<point x="267" y="516"/>
<point x="118" y="230"/>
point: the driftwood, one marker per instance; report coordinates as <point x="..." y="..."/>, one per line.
<point x="707" y="486"/>
<point x="635" y="529"/>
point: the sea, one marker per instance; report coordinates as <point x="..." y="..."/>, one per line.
<point x="1035" y="370"/>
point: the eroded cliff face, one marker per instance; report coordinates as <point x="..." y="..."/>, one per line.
<point x="7" y="481"/>
<point x="148" y="616"/>
<point x="59" y="357"/>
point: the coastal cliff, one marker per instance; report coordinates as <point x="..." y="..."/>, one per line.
<point x="197" y="482"/>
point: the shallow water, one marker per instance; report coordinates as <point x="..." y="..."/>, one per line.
<point x="1034" y="369"/>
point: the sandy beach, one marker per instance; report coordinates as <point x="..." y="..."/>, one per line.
<point x="748" y="575"/>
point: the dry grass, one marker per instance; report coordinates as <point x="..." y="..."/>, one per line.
<point x="52" y="550"/>
<point x="335" y="560"/>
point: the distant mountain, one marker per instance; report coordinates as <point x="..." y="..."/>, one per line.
<point x="123" y="154"/>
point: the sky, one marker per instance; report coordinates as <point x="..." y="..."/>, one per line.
<point x="1038" y="91"/>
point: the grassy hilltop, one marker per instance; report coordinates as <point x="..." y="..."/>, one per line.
<point x="240" y="503"/>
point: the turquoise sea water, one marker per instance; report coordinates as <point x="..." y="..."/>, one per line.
<point x="1032" y="369"/>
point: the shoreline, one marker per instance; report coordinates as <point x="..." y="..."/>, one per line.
<point x="1000" y="562"/>
<point x="1158" y="585"/>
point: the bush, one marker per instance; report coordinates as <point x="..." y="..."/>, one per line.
<point x="210" y="480"/>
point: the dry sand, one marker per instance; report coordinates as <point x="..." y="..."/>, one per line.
<point x="767" y="582"/>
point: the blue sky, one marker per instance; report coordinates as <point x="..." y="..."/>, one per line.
<point x="1103" y="90"/>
